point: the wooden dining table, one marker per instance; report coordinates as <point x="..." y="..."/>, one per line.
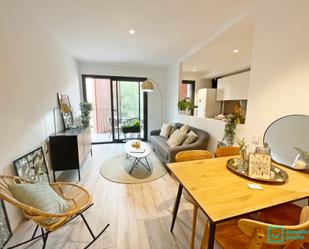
<point x="223" y="195"/>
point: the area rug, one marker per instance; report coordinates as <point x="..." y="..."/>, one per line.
<point x="117" y="169"/>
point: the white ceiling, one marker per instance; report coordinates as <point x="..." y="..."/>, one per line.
<point x="97" y="30"/>
<point x="217" y="57"/>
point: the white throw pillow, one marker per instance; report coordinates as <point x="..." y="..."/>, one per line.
<point x="176" y="138"/>
<point x="173" y="128"/>
<point x="165" y="130"/>
<point x="191" y="138"/>
<point x="185" y="128"/>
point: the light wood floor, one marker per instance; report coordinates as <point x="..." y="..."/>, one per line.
<point x="139" y="214"/>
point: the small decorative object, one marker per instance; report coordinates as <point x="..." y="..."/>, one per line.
<point x="243" y="149"/>
<point x="66" y="110"/>
<point x="239" y="113"/>
<point x="32" y="166"/>
<point x="85" y="109"/>
<point x="277" y="175"/>
<point x="263" y="149"/>
<point x="302" y="159"/>
<point x="136" y="144"/>
<point x="259" y="166"/>
<point x="229" y="130"/>
<point x="5" y="229"/>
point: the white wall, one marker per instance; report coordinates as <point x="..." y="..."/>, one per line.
<point x="33" y="69"/>
<point x="158" y="74"/>
<point x="279" y="83"/>
<point x="279" y="77"/>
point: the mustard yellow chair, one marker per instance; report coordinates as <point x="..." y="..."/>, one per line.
<point x="227" y="151"/>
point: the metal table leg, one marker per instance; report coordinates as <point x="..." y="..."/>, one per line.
<point x="133" y="165"/>
<point x="209" y="235"/>
<point x="211" y="238"/>
<point x="176" y="205"/>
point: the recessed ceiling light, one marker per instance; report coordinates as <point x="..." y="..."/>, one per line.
<point x="132" y="31"/>
<point x="235" y="51"/>
<point x="194" y="70"/>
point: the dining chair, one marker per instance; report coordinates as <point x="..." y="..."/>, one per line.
<point x="268" y="231"/>
<point x="77" y="198"/>
<point x="191" y="155"/>
<point x="227" y="151"/>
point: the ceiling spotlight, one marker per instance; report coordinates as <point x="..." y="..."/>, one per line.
<point x="132" y="31"/>
<point x="235" y="51"/>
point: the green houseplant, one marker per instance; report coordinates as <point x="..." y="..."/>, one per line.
<point x="182" y="104"/>
<point x="85" y="108"/>
<point x="229" y="131"/>
<point x="186" y="105"/>
<point x="131" y="126"/>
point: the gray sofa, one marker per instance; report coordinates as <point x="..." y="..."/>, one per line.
<point x="167" y="154"/>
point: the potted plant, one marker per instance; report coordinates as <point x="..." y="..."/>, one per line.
<point x="191" y="106"/>
<point x="85" y="108"/>
<point x="229" y="131"/>
<point x="132" y="126"/>
<point x="182" y="105"/>
<point x="243" y="146"/>
<point x="186" y="106"/>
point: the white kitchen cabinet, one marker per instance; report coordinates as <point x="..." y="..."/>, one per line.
<point x="207" y="105"/>
<point x="234" y="87"/>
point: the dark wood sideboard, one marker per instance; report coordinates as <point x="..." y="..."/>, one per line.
<point x="69" y="149"/>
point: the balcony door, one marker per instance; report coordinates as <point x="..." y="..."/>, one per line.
<point x="118" y="104"/>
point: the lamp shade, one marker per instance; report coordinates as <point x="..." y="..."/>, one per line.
<point x="147" y="86"/>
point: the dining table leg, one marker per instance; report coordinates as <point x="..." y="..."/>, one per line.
<point x="176" y="205"/>
<point x="209" y="236"/>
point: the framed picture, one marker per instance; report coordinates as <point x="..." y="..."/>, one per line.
<point x="5" y="228"/>
<point x="65" y="110"/>
<point x="259" y="166"/>
<point x="32" y="166"/>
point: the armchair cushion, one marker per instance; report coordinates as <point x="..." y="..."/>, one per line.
<point x="40" y="196"/>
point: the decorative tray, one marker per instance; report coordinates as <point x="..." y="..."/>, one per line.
<point x="277" y="175"/>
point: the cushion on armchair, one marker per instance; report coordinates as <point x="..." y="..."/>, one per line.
<point x="39" y="195"/>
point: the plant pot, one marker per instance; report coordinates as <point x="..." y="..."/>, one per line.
<point x="131" y="129"/>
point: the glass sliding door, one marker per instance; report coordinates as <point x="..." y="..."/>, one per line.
<point x="128" y="106"/>
<point x="120" y="111"/>
<point x="98" y="93"/>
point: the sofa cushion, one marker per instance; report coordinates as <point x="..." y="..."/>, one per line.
<point x="165" y="130"/>
<point x="185" y="128"/>
<point x="174" y="128"/>
<point x="177" y="138"/>
<point x="191" y="137"/>
<point x="160" y="146"/>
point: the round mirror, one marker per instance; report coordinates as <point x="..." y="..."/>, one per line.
<point x="284" y="135"/>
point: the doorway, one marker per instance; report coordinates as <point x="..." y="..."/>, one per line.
<point x="119" y="108"/>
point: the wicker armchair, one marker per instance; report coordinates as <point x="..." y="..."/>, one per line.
<point x="76" y="197"/>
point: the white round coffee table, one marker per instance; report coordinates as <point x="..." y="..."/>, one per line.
<point x="138" y="154"/>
